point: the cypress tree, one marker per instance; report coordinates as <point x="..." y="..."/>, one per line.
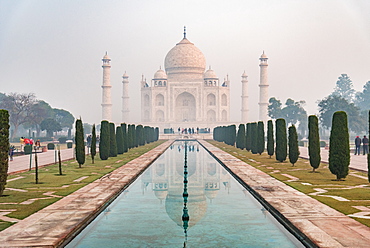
<point x="140" y="139"/>
<point x="113" y="143"/>
<point x="260" y="137"/>
<point x="254" y="138"/>
<point x="281" y="140"/>
<point x="248" y="138"/>
<point x="240" y="138"/>
<point x="368" y="155"/>
<point x="270" y="138"/>
<point x="339" y="154"/>
<point x="293" y="145"/>
<point x="124" y="137"/>
<point x="119" y="140"/>
<point x="156" y="133"/>
<point x="80" y="143"/>
<point x="4" y="144"/>
<point x="93" y="144"/>
<point x="314" y="142"/>
<point x="104" y="140"/>
<point x="232" y="135"/>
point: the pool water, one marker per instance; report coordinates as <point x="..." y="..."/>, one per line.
<point x="185" y="199"/>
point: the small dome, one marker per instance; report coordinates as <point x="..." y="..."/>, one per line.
<point x="244" y="74"/>
<point x="160" y="74"/>
<point x="125" y="75"/>
<point x="264" y="56"/>
<point x="210" y="74"/>
<point x="106" y="56"/>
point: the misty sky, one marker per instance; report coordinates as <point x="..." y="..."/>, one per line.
<point x="54" y="48"/>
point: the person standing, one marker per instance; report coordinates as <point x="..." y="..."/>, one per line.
<point x="365" y="145"/>
<point x="357" y="145"/>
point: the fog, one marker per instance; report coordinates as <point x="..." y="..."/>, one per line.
<point x="54" y="48"/>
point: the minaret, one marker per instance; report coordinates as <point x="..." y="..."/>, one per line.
<point x="125" y="99"/>
<point x="107" y="100"/>
<point x="264" y="94"/>
<point x="244" y="98"/>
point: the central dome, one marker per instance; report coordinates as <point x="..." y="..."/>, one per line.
<point x="185" y="58"/>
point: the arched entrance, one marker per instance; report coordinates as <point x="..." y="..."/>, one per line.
<point x="185" y="107"/>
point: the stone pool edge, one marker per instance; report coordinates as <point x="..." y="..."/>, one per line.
<point x="54" y="225"/>
<point x="323" y="225"/>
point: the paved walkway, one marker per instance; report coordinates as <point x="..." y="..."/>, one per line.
<point x="22" y="163"/>
<point x="358" y="162"/>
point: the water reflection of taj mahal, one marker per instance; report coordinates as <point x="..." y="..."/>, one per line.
<point x="165" y="179"/>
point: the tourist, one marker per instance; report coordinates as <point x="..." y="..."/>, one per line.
<point x="21" y="140"/>
<point x="11" y="152"/>
<point x="365" y="145"/>
<point x="357" y="145"/>
<point x="38" y="143"/>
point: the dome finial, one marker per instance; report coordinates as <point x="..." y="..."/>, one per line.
<point x="184" y="32"/>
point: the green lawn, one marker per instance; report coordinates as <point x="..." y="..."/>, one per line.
<point x="354" y="189"/>
<point x="19" y="201"/>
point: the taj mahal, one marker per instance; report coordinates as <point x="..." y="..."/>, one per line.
<point x="185" y="93"/>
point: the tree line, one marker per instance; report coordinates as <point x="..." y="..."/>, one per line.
<point x="283" y="144"/>
<point x="27" y="111"/>
<point x="343" y="98"/>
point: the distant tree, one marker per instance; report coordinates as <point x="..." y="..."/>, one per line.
<point x="87" y="128"/>
<point x="274" y="108"/>
<point x="39" y="111"/>
<point x="240" y="137"/>
<point x="334" y="103"/>
<point x="281" y="140"/>
<point x="293" y="145"/>
<point x="4" y="144"/>
<point x="113" y="144"/>
<point x="19" y="107"/>
<point x="314" y="142"/>
<point x="93" y="143"/>
<point x="104" y="144"/>
<point x="64" y="117"/>
<point x="248" y="142"/>
<point x="260" y="137"/>
<point x="339" y="154"/>
<point x="293" y="112"/>
<point x="270" y="138"/>
<point x="344" y="88"/>
<point x="363" y="98"/>
<point x="254" y="138"/>
<point x="51" y="126"/>
<point x="80" y="143"/>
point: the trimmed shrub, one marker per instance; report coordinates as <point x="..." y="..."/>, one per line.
<point x="119" y="140"/>
<point x="51" y="146"/>
<point x="113" y="143"/>
<point x="300" y="143"/>
<point x="248" y="142"/>
<point x="4" y="144"/>
<point x="80" y="143"/>
<point x="69" y="145"/>
<point x="104" y="140"/>
<point x="314" y="142"/>
<point x="270" y="138"/>
<point x="293" y="145"/>
<point x="62" y="140"/>
<point x="260" y="137"/>
<point x="339" y="153"/>
<point x="124" y="137"/>
<point x="281" y="140"/>
<point x="254" y="138"/>
<point x="93" y="144"/>
<point x="241" y="137"/>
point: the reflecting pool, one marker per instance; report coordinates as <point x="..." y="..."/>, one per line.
<point x="185" y="199"/>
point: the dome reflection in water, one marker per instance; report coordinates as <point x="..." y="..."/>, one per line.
<point x="185" y="199"/>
